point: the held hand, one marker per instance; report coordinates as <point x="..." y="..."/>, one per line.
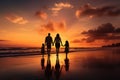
<point x="45" y="44"/>
<point x="62" y="45"/>
<point x="52" y="44"/>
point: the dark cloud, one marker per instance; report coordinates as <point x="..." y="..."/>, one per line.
<point x="1" y="40"/>
<point x="104" y="32"/>
<point x="41" y="14"/>
<point x="49" y="26"/>
<point x="91" y="11"/>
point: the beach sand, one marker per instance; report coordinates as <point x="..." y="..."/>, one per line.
<point x="87" y="65"/>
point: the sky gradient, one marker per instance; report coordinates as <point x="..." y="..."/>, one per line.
<point x="84" y="23"/>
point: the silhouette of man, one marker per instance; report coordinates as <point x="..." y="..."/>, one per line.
<point x="48" y="42"/>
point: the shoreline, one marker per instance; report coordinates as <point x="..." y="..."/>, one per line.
<point x="16" y="54"/>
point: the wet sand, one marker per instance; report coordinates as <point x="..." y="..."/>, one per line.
<point x="87" y="65"/>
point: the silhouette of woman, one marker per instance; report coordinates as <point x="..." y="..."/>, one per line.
<point x="57" y="42"/>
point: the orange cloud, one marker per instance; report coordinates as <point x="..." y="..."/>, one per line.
<point x="16" y="19"/>
<point x="42" y="15"/>
<point x="76" y="41"/>
<point x="61" y="25"/>
<point x="59" y="6"/>
<point x="52" y="26"/>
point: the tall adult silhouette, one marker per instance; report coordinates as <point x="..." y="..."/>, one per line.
<point x="57" y="42"/>
<point x="48" y="42"/>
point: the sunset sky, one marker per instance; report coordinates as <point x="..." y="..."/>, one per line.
<point x="84" y="23"/>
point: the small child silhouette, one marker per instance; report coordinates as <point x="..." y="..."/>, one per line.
<point x="66" y="46"/>
<point x="43" y="49"/>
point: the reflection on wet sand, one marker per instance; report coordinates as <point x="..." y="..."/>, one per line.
<point x="88" y="65"/>
<point x="43" y="62"/>
<point x="58" y="69"/>
<point x="48" y="69"/>
<point x="55" y="71"/>
<point x="66" y="63"/>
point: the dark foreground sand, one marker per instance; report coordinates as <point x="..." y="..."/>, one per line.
<point x="87" y="65"/>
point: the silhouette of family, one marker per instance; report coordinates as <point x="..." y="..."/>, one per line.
<point x="57" y="69"/>
<point x="57" y="41"/>
<point x="49" y="70"/>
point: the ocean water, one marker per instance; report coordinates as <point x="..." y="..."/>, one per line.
<point x="6" y="52"/>
<point x="90" y="64"/>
